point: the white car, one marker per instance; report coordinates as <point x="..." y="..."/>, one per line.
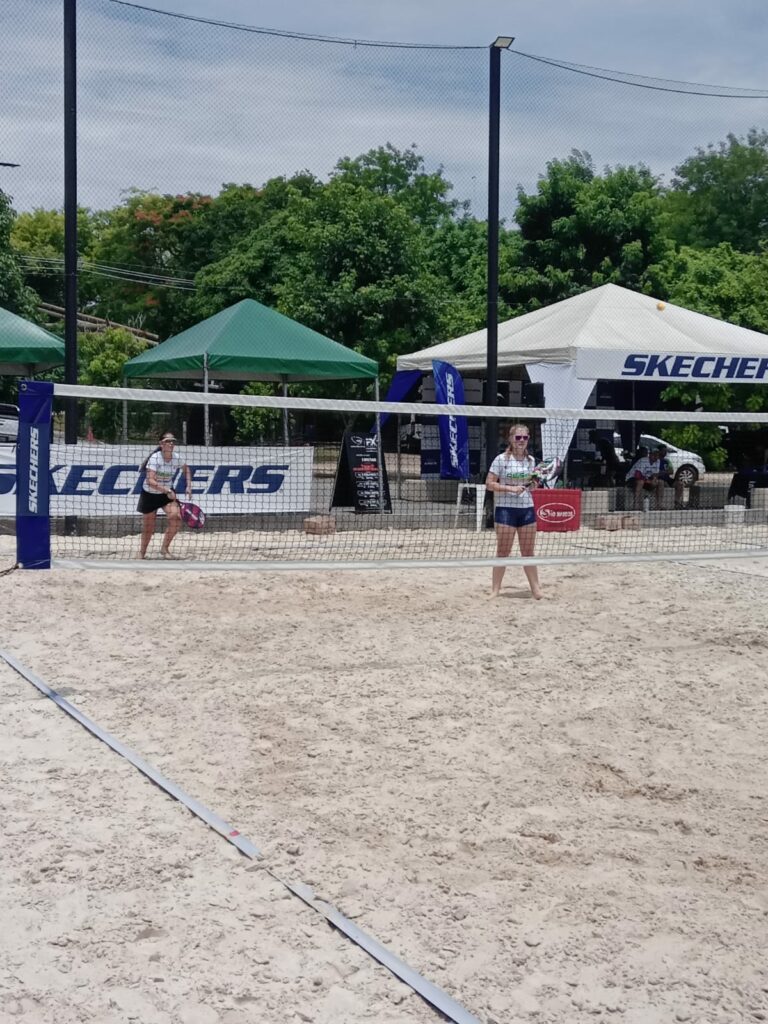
<point x="687" y="467"/>
<point x="9" y="423"/>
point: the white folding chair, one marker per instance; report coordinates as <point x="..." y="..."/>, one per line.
<point x="479" y="490"/>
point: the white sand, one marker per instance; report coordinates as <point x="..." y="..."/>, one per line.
<point x="556" y="811"/>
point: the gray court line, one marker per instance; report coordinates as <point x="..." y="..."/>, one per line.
<point x="190" y="565"/>
<point x="429" y="992"/>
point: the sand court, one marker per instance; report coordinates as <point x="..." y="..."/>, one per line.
<point x="552" y="810"/>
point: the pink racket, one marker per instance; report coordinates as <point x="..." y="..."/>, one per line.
<point x="192" y="515"/>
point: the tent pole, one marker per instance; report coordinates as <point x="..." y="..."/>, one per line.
<point x="399" y="462"/>
<point x="379" y="452"/>
<point x="125" y="413"/>
<point x="206" y="410"/>
<point x="286" y="428"/>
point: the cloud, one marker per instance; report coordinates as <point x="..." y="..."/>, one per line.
<point x="178" y="106"/>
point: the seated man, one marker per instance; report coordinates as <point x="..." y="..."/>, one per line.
<point x="643" y="476"/>
<point x="666" y="475"/>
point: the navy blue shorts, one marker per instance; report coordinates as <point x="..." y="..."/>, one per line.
<point x="506" y="516"/>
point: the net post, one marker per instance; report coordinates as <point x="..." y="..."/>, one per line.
<point x="33" y="521"/>
<point x="379" y="452"/>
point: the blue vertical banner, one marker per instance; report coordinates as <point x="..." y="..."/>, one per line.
<point x="454" y="437"/>
<point x="33" y="522"/>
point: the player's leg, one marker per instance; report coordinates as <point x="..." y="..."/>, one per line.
<point x="173" y="512"/>
<point x="505" y="538"/>
<point x="147" y="529"/>
<point x="526" y="538"/>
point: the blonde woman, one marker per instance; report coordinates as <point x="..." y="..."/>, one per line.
<point x="511" y="478"/>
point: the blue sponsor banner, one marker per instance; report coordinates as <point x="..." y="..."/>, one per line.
<point x="454" y="437"/>
<point x="403" y="383"/>
<point x="33" y="524"/>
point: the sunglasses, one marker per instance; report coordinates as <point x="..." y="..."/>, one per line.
<point x="522" y="437"/>
<point x="168" y="440"/>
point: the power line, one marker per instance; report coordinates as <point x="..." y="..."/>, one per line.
<point x="115" y="273"/>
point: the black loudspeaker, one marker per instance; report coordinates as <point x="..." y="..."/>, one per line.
<point x="533" y="395"/>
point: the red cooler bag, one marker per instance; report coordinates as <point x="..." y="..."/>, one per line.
<point x="557" y="510"/>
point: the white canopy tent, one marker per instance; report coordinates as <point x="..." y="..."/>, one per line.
<point x="609" y="333"/>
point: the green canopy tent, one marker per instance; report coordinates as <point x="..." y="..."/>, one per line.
<point x="26" y="348"/>
<point x="249" y="341"/>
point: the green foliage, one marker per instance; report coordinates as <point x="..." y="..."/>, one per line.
<point x="581" y="230"/>
<point x="41" y="234"/>
<point x="703" y="438"/>
<point x="721" y="195"/>
<point x="383" y="258"/>
<point x="255" y="426"/>
<point x="101" y="360"/>
<point x="15" y="295"/>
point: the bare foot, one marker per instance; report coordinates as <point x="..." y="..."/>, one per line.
<point x="495" y="593"/>
<point x="167" y="554"/>
<point x="537" y="593"/>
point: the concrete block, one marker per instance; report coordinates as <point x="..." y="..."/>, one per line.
<point x="320" y="525"/>
<point x="630" y="522"/>
<point x="595" y="501"/>
<point x="609" y="522"/>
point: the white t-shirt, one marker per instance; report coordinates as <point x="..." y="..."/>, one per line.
<point x="164" y="471"/>
<point x="513" y="472"/>
<point x="645" y="467"/>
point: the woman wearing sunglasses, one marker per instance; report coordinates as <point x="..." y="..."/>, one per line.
<point x="157" y="492"/>
<point x="510" y="479"/>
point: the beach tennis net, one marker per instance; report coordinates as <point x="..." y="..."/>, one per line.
<point x="277" y="482"/>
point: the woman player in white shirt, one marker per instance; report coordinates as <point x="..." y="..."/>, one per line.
<point x="510" y="478"/>
<point x="157" y="492"/>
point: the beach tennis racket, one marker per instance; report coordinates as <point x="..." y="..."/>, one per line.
<point x="545" y="472"/>
<point x="192" y="515"/>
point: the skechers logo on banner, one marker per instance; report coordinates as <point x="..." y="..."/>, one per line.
<point x="85" y="479"/>
<point x="34" y="467"/>
<point x="93" y="478"/>
<point x="696" y="367"/>
<point x="453" y="427"/>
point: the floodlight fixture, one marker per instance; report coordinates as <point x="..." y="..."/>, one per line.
<point x="503" y="42"/>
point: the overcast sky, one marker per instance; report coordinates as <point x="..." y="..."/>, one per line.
<point x="177" y="106"/>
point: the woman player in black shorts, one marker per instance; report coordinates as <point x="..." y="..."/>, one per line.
<point x="160" y="470"/>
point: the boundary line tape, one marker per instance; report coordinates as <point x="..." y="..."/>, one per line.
<point x="426" y="989"/>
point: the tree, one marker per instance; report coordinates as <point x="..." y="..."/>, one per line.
<point x="581" y="230"/>
<point x="347" y="260"/>
<point x="721" y="195"/>
<point x="101" y="360"/>
<point x="401" y="175"/>
<point x="729" y="285"/>
<point x="14" y="293"/>
<point x="40" y="235"/>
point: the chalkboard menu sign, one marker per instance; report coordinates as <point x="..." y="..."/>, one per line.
<point x="358" y="479"/>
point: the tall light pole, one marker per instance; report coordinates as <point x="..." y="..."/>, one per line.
<point x="70" y="215"/>
<point x="492" y="307"/>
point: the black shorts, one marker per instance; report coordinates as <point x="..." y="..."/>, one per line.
<point x="149" y="502"/>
